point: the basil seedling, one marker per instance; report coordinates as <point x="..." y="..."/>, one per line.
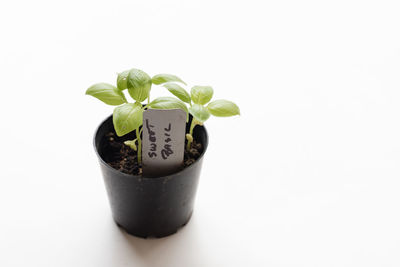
<point x="128" y="117"/>
<point x="200" y="96"/>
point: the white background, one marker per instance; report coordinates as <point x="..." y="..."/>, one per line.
<point x="308" y="176"/>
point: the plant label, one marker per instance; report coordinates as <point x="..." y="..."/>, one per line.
<point x="163" y="141"/>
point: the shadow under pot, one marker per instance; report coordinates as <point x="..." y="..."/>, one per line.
<point x="149" y="207"/>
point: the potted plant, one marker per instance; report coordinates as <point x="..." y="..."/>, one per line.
<point x="151" y="206"/>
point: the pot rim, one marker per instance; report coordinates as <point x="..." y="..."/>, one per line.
<point x="140" y="176"/>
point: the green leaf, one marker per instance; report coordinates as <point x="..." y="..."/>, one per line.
<point x="223" y="108"/>
<point x="201" y="94"/>
<point x="127" y="118"/>
<point x="107" y="93"/>
<point x="163" y="78"/>
<point x="168" y="102"/>
<point x="199" y="112"/>
<point x="122" y="80"/>
<point x="139" y="84"/>
<point x="131" y="144"/>
<point x="178" y="91"/>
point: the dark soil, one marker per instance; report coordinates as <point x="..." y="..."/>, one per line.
<point x="123" y="158"/>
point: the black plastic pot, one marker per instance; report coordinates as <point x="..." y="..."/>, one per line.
<point x="150" y="207"/>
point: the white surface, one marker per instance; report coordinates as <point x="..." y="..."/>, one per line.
<point x="307" y="176"/>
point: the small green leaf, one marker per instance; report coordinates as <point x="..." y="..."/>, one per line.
<point x="168" y="102"/>
<point x="178" y="91"/>
<point x="201" y="94"/>
<point x="122" y="80"/>
<point x="163" y="78"/>
<point x="107" y="93"/>
<point x="223" y="108"/>
<point x="127" y="118"/>
<point x="131" y="144"/>
<point x="139" y="84"/>
<point x="199" y="112"/>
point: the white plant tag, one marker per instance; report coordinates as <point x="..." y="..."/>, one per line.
<point x="163" y="141"/>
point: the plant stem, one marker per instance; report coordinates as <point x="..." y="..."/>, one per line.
<point x="139" y="147"/>
<point x="192" y="125"/>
